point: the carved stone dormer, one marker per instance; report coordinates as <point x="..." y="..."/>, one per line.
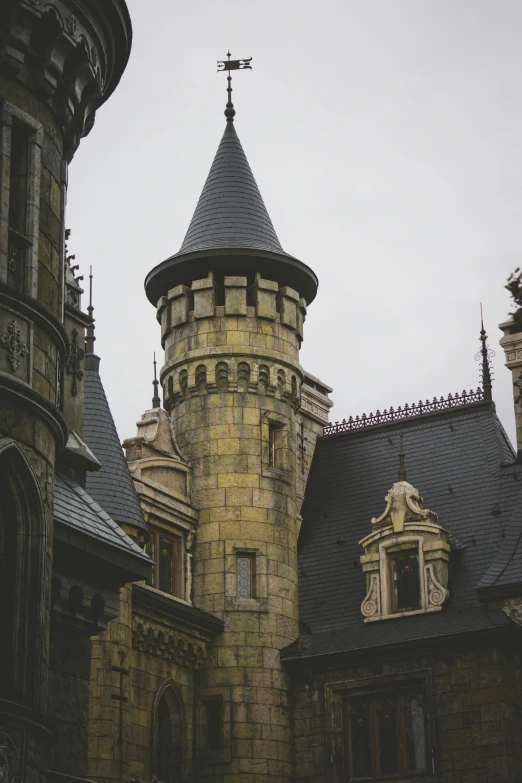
<point x="405" y="558"/>
<point x="161" y="477"/>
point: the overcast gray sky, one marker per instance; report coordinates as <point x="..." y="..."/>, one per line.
<point x="385" y="137"/>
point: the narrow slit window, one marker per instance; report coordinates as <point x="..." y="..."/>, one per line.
<point x="405" y="582"/>
<point x="245" y="576"/>
<point x="18" y="204"/>
<point x="214" y="724"/>
<point x="272" y="430"/>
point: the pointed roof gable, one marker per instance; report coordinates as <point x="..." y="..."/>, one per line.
<point x="112" y="486"/>
<point x="230" y="211"/>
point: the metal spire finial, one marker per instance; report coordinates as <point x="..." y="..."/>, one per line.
<point x="484" y="355"/>
<point x="232" y="65"/>
<point x="156" y="402"/>
<point x="90" y="338"/>
<point x="402" y="469"/>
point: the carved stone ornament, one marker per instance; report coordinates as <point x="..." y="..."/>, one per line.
<point x="71" y="24"/>
<point x="14" y="346"/>
<point x="437" y="594"/>
<point x="73" y="365"/>
<point x="157" y="640"/>
<point x="371" y="605"/>
<point x="403" y="502"/>
<point x="11" y="755"/>
<point x="513" y="609"/>
<point x="405" y="529"/>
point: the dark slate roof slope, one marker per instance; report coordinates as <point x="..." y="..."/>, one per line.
<point x="230" y="211"/>
<point x="454" y="459"/>
<point x="76" y="509"/>
<point x="112" y="486"/>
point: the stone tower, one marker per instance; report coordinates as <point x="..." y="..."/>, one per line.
<point x="232" y="304"/>
<point x="59" y="61"/>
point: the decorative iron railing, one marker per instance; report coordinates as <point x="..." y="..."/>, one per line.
<point x="415" y="409"/>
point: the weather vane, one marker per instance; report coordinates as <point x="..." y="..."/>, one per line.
<point x="232" y="65"/>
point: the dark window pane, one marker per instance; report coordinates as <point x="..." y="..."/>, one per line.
<point x="164" y="741"/>
<point x="360" y="727"/>
<point x="271" y="445"/>
<point x="244" y="576"/>
<point x="213" y="719"/>
<point x="19" y="176"/>
<point x="415" y="732"/>
<point x="387" y="729"/>
<point x="406" y="582"/>
<point x="165" y="564"/>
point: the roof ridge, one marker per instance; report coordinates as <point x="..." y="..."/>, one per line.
<point x="407" y="412"/>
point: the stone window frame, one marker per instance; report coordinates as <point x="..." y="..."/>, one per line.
<point x="156" y="532"/>
<point x="337" y="692"/>
<point x="260" y="573"/>
<point x="380" y="584"/>
<point x="7" y="112"/>
<point x="271" y="421"/>
<point x="224" y="753"/>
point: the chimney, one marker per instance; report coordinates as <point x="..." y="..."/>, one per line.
<point x="512" y="345"/>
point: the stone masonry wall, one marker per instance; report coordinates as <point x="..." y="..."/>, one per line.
<point x="231" y="374"/>
<point x="477" y="713"/>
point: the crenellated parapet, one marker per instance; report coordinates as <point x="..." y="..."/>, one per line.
<point x="250" y="343"/>
<point x="69" y="55"/>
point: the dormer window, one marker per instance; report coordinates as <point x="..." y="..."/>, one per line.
<point x="405" y="558"/>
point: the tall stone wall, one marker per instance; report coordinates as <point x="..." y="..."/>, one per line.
<point x="232" y="383"/>
<point x="475" y="719"/>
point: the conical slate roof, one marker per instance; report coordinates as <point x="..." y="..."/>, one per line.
<point x="230" y="233"/>
<point x="112" y="486"/>
<point x="230" y="211"/>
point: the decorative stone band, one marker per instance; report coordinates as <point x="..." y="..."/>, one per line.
<point x="231" y="373"/>
<point x="22" y="396"/>
<point x="158" y="640"/>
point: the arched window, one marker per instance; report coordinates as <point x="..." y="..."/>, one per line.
<point x="168" y="735"/>
<point x="22" y="553"/>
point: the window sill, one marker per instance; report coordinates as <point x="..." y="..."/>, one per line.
<point x="397" y="615"/>
<point x="275" y="473"/>
<point x="246" y="604"/>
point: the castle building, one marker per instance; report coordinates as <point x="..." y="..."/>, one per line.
<point x="228" y="597"/>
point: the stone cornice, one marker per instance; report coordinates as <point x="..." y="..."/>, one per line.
<point x="69" y="54"/>
<point x="22" y="395"/>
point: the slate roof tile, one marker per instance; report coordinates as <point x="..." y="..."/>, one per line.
<point x="459" y="472"/>
<point x="74" y="507"/>
<point x="230" y="211"/>
<point x="112" y="485"/>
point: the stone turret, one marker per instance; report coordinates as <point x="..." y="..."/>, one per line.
<point x="59" y="61"/>
<point x="232" y="306"/>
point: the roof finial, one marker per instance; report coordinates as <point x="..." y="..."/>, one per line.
<point x="90" y="338"/>
<point x="485" y="354"/>
<point x="402" y="469"/>
<point x="156" y="402"/>
<point x="232" y="65"/>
